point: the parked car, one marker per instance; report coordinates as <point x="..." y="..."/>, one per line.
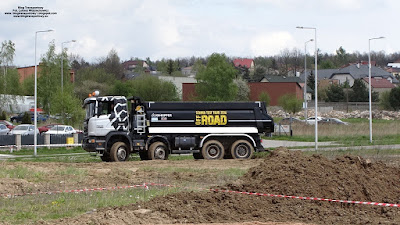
<point x="8" y="124"/>
<point x="47" y="127"/>
<point x="311" y="120"/>
<point x="333" y="121"/>
<point x="18" y="118"/>
<point x="286" y="121"/>
<point x="24" y="129"/>
<point x="3" y="129"/>
<point x="61" y="129"/>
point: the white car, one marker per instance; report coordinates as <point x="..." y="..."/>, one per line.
<point x="311" y="120"/>
<point x="61" y="129"/>
<point x="24" y="129"/>
<point x="3" y="129"/>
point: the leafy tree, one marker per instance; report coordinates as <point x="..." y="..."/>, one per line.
<point x="170" y="67"/>
<point x="394" y="98"/>
<point x="50" y="76"/>
<point x="147" y="87"/>
<point x="290" y="103"/>
<point x="3" y="115"/>
<point x="341" y="57"/>
<point x="243" y="90"/>
<point x="28" y="86"/>
<point x="359" y="92"/>
<point x="311" y="83"/>
<point x="7" y="53"/>
<point x="259" y="73"/>
<point x="215" y="82"/>
<point x="26" y="119"/>
<point x="112" y="64"/>
<point x="67" y="104"/>
<point x="384" y="101"/>
<point x="264" y="97"/>
<point x="335" y="93"/>
<point x="88" y="86"/>
<point x="326" y="64"/>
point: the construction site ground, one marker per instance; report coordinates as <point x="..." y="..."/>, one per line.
<point x="283" y="172"/>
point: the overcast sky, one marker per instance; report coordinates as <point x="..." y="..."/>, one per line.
<point x="183" y="28"/>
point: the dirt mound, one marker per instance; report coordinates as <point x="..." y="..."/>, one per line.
<point x="346" y="178"/>
<point x="282" y="172"/>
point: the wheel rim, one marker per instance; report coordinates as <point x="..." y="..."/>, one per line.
<point x="213" y="151"/>
<point x="242" y="150"/>
<point x="121" y="153"/>
<point x="159" y="153"/>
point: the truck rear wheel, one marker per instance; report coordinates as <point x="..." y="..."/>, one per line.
<point x="119" y="152"/>
<point x="158" y="150"/>
<point x="242" y="149"/>
<point x="212" y="149"/>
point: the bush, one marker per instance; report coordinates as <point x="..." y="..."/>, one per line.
<point x="3" y="116"/>
<point x="27" y="118"/>
<point x="384" y="101"/>
<point x="394" y="98"/>
<point x="264" y="97"/>
<point x="290" y="103"/>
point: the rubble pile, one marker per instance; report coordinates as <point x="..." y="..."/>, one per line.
<point x="376" y="114"/>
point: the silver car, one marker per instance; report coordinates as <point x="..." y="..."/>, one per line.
<point x="3" y="129"/>
<point x="24" y="129"/>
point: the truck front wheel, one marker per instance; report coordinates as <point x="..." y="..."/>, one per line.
<point x="119" y="152"/>
<point x="158" y="150"/>
<point x="213" y="149"/>
<point x="242" y="149"/>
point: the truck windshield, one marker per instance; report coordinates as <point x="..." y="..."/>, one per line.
<point x="89" y="108"/>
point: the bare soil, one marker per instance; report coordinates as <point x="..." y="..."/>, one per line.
<point x="282" y="172"/>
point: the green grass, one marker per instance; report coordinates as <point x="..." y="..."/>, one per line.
<point x="30" y="209"/>
<point x="45" y="151"/>
<point x="21" y="172"/>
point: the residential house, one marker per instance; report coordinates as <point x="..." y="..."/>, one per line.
<point x="379" y="84"/>
<point x="353" y="72"/>
<point x="130" y="65"/>
<point x="244" y="63"/>
<point x="188" y="71"/>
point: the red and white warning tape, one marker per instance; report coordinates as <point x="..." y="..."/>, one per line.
<point x="146" y="186"/>
<point x="292" y="197"/>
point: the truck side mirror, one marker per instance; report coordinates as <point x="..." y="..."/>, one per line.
<point x="99" y="108"/>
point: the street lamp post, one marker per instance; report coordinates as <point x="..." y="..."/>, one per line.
<point x="369" y="86"/>
<point x="35" y="109"/>
<point x="305" y="78"/>
<point x="62" y="76"/>
<point x="316" y="82"/>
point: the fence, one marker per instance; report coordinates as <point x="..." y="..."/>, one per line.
<point x="27" y="140"/>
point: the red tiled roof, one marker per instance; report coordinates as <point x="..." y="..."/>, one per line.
<point x="242" y="62"/>
<point x="379" y="83"/>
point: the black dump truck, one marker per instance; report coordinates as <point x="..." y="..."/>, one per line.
<point x="208" y="130"/>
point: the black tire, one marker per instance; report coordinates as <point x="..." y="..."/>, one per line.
<point x="197" y="155"/>
<point x="119" y="152"/>
<point x="105" y="157"/>
<point x="144" y="155"/>
<point x="242" y="149"/>
<point x="213" y="149"/>
<point x="158" y="151"/>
